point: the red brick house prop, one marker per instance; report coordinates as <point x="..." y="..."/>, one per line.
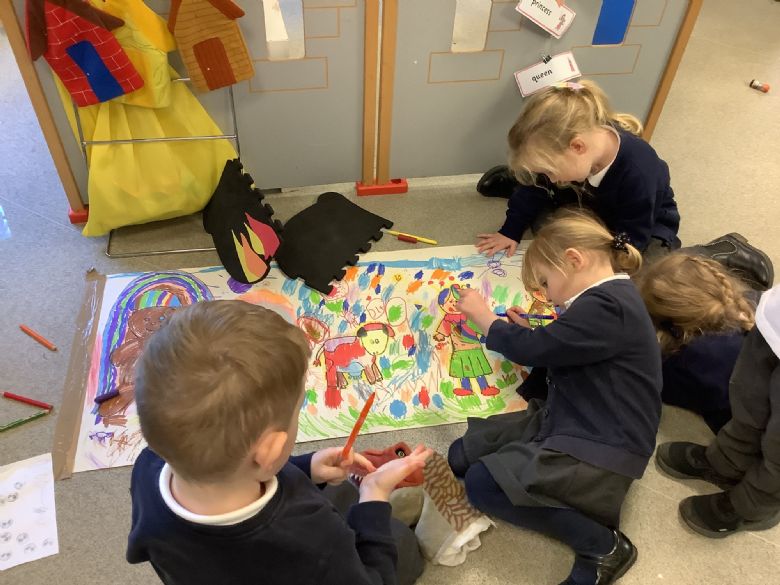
<point x="76" y="41"/>
<point x="210" y="42"/>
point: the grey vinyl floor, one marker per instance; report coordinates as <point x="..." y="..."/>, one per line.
<point x="721" y="140"/>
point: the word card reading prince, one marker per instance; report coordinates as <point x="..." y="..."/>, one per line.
<point x="554" y="70"/>
<point x="551" y="15"/>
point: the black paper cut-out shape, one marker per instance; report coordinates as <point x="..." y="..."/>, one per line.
<point x="323" y="238"/>
<point x="243" y="229"/>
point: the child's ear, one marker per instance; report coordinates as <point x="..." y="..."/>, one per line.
<point x="578" y="145"/>
<point x="574" y="258"/>
<point x="269" y="448"/>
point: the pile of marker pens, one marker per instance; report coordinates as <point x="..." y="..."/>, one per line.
<point x="45" y="407"/>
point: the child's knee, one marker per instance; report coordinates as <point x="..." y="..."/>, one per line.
<point x="481" y="487"/>
<point x="456" y="457"/>
<point x="410" y="561"/>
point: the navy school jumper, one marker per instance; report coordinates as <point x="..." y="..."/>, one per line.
<point x="635" y="196"/>
<point x="604" y="369"/>
<point x="298" y="537"/>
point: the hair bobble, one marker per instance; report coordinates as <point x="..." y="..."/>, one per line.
<point x="672" y="329"/>
<point x="620" y="242"/>
<point x="572" y="85"/>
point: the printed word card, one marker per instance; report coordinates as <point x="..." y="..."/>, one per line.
<point x="28" y="525"/>
<point x="560" y="68"/>
<point x="551" y="15"/>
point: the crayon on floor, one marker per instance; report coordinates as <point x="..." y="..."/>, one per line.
<point x="39" y="338"/>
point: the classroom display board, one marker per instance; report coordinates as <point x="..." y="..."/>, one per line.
<point x="300" y="114"/>
<point x="310" y="113"/>
<point x="390" y="327"/>
<point x="452" y="110"/>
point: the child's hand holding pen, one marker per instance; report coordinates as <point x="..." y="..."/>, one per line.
<point x="327" y="465"/>
<point x="517" y="316"/>
<point x="475" y="308"/>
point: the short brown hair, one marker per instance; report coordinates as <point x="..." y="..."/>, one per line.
<point x="212" y="381"/>
<point x="574" y="228"/>
<point x="689" y="295"/>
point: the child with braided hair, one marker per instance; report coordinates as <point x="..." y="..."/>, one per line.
<point x="563" y="466"/>
<point x="744" y="458"/>
<point x="701" y="314"/>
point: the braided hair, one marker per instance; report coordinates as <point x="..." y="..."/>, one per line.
<point x="688" y="295"/>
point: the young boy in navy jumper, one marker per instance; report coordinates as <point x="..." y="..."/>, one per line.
<point x="217" y="497"/>
<point x="563" y="466"/>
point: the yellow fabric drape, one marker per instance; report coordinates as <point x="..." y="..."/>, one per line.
<point x="147" y="42"/>
<point x="143" y="182"/>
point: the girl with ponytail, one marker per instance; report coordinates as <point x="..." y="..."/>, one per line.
<point x="563" y="466"/>
<point x="569" y="147"/>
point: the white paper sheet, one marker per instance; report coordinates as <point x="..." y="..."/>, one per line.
<point x="400" y="289"/>
<point x="28" y="523"/>
<point x="469" y="31"/>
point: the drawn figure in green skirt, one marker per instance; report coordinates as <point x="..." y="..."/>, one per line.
<point x="468" y="359"/>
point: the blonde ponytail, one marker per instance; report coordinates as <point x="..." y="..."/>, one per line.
<point x="552" y="117"/>
<point x="628" y="260"/>
<point x="629" y="123"/>
<point x="574" y="228"/>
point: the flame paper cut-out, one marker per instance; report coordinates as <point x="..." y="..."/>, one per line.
<point x="244" y="233"/>
<point x="252" y="253"/>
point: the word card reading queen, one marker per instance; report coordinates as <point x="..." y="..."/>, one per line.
<point x="560" y="68"/>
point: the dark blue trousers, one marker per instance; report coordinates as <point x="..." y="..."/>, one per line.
<point x="582" y="534"/>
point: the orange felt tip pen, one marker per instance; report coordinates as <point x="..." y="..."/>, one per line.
<point x="358" y="424"/>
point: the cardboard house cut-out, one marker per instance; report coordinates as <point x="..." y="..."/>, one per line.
<point x="210" y="42"/>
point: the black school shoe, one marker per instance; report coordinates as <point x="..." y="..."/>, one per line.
<point x="713" y="516"/>
<point x="689" y="461"/>
<point x="497" y="182"/>
<point x="747" y="262"/>
<point x="611" y="566"/>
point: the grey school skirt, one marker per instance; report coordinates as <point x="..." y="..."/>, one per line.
<point x="533" y="476"/>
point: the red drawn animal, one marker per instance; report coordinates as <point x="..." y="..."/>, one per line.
<point x="354" y="355"/>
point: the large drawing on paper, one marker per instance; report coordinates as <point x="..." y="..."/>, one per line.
<point x="391" y="326"/>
